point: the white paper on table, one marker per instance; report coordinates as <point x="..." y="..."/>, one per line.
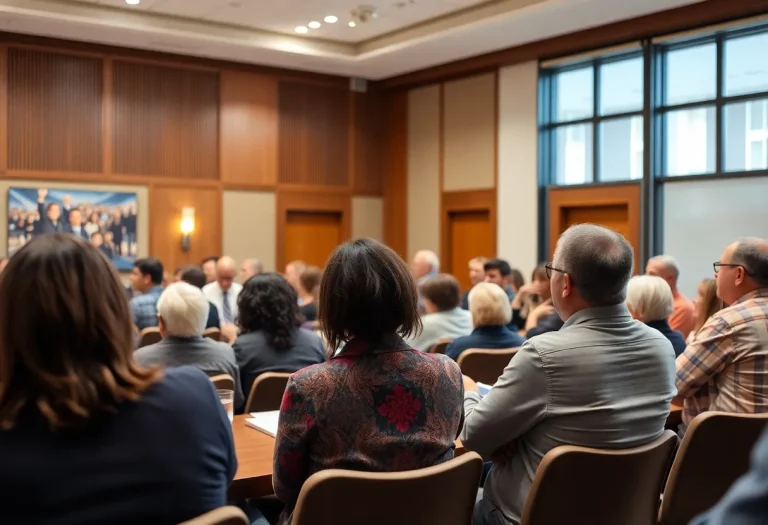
<point x="484" y="389"/>
<point x="264" y="421"/>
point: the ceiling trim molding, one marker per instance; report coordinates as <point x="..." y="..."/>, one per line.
<point x="684" y="18"/>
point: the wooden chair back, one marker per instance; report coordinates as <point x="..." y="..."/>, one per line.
<point x="150" y="336"/>
<point x="713" y="454"/>
<point x="443" y="494"/>
<point x="485" y="366"/>
<point x="223" y="382"/>
<point x="212" y="333"/>
<point x="440" y="346"/>
<point x="222" y="516"/>
<point x="267" y="392"/>
<point x="600" y="487"/>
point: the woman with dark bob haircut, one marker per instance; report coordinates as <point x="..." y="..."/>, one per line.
<point x="87" y="435"/>
<point x="270" y="339"/>
<point x="377" y="404"/>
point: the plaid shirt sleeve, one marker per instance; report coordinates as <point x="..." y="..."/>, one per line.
<point x="705" y="357"/>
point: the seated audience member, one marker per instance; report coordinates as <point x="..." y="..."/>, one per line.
<point x="572" y="387"/>
<point x="182" y="312"/>
<point x="377" y="405"/>
<point x="224" y="290"/>
<point x="746" y="502"/>
<point x="292" y="272"/>
<point x="425" y="264"/>
<point x="491" y="314"/>
<point x="147" y="279"/>
<point x="516" y="280"/>
<point x="270" y="339"/>
<point x="533" y="301"/>
<point x="706" y="304"/>
<point x="88" y="435"/>
<point x="498" y="271"/>
<point x="683" y="317"/>
<point x="209" y="267"/>
<point x="723" y="368"/>
<point x="249" y="268"/>
<point x="195" y="276"/>
<point x="649" y="300"/>
<point x="476" y="275"/>
<point x="444" y="319"/>
<point x="309" y="286"/>
<point x="547" y="323"/>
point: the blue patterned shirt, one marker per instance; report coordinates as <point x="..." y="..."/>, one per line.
<point x="144" y="308"/>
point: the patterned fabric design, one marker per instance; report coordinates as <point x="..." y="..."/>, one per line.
<point x="378" y="409"/>
<point x="725" y="367"/>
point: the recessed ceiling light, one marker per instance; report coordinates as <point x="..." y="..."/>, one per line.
<point x="352" y="24"/>
<point x="301" y="29"/>
<point x="314" y="24"/>
<point x="330" y="19"/>
<point x="132" y="2"/>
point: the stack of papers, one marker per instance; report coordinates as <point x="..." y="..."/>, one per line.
<point x="264" y="422"/>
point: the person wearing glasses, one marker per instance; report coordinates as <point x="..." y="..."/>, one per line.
<point x="723" y="368"/>
<point x="603" y="380"/>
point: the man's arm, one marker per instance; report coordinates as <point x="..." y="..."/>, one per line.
<point x="708" y="354"/>
<point x="516" y="403"/>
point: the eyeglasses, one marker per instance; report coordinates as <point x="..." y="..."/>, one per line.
<point x="719" y="265"/>
<point x="549" y="269"/>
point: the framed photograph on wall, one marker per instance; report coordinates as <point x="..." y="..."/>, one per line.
<point x="107" y="219"/>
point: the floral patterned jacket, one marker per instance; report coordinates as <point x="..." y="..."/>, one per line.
<point x="381" y="408"/>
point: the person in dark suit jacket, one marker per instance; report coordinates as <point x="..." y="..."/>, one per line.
<point x="195" y="276"/>
<point x="491" y="313"/>
<point x="74" y="223"/>
<point x="270" y="339"/>
<point x="650" y="300"/>
<point x="50" y="216"/>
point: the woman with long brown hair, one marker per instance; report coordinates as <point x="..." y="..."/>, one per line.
<point x="706" y="304"/>
<point x="87" y="435"/>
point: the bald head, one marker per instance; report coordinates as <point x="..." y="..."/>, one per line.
<point x="425" y="262"/>
<point x="249" y="268"/>
<point x="752" y="254"/>
<point x="664" y="266"/>
<point x="226" y="270"/>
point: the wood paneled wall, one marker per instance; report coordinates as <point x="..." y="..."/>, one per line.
<point x="187" y="130"/>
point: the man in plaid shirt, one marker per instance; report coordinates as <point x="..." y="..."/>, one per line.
<point x="725" y="367"/>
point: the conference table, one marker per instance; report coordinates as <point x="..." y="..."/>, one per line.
<point x="255" y="451"/>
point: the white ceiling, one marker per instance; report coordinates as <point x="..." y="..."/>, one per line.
<point x="401" y="39"/>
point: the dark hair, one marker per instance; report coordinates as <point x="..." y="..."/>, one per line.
<point x="498" y="264"/>
<point x="193" y="275"/>
<point x="66" y="349"/>
<point x="51" y="205"/>
<point x="516" y="279"/>
<point x="268" y="303"/>
<point x="94" y="234"/>
<point x="310" y="279"/>
<point x="442" y="290"/>
<point x="367" y="291"/>
<point x="214" y="258"/>
<point x="152" y="267"/>
<point x="540" y="273"/>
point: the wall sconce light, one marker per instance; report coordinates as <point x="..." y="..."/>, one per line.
<point x="187" y="227"/>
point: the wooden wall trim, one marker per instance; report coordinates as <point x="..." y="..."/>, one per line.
<point x="3" y="107"/>
<point x="684" y="18"/>
<point x="465" y="200"/>
<point x="131" y="180"/>
<point x="396" y="172"/>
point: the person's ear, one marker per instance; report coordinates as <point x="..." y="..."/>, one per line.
<point x="161" y="325"/>
<point x="567" y="285"/>
<point x="741" y="274"/>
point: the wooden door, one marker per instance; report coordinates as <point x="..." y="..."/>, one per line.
<point x="311" y="236"/>
<point x="613" y="216"/>
<point x="470" y="235"/>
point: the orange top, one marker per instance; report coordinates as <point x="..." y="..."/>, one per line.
<point x="683" y="317"/>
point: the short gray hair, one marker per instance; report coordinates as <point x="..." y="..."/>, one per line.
<point x="598" y="260"/>
<point x="430" y="258"/>
<point x="752" y="254"/>
<point x="650" y="297"/>
<point x="669" y="263"/>
<point x="256" y="265"/>
<point x="184" y="310"/>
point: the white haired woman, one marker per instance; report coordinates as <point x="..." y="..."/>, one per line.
<point x="491" y="313"/>
<point x="650" y="300"/>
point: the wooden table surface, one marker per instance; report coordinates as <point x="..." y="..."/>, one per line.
<point x="255" y="451"/>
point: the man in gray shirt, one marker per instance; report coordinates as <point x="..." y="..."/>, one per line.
<point x="603" y="380"/>
<point x="182" y="312"/>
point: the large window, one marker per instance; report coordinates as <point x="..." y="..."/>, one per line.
<point x="706" y="99"/>
<point x="592" y="122"/>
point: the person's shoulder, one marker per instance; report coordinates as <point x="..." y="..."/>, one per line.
<point x="210" y="286"/>
<point x="149" y="350"/>
<point x="184" y="386"/>
<point x="308" y="336"/>
<point x="440" y="362"/>
<point x="220" y="347"/>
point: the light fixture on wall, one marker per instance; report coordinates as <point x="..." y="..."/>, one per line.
<point x="187" y="227"/>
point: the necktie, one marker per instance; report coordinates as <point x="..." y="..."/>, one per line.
<point x="227" y="310"/>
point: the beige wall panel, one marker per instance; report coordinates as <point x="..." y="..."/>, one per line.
<point x="469" y="133"/>
<point x="517" y="193"/>
<point x="424" y="169"/>
<point x="367" y="217"/>
<point x="142" y="196"/>
<point x="250" y="230"/>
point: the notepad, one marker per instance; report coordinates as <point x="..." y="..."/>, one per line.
<point x="264" y="422"/>
<point x="484" y="389"/>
